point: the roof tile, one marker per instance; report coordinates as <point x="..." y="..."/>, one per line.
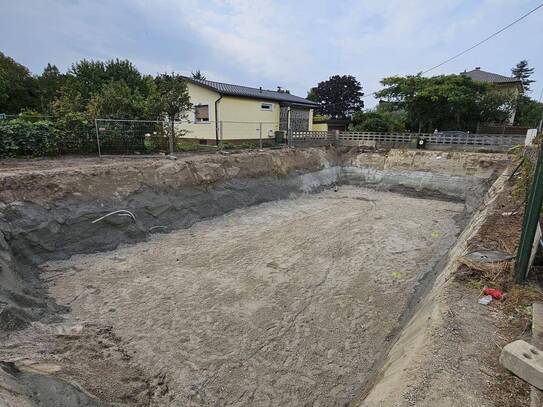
<point x="483" y="76"/>
<point x="245" y="91"/>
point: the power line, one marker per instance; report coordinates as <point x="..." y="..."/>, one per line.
<point x="484" y="40"/>
<point x="368" y="94"/>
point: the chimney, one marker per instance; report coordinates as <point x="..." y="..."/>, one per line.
<point x="279" y="89"/>
<point x="260" y="89"/>
<point x="477" y="68"/>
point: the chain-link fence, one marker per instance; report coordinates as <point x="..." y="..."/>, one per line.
<point x="142" y="137"/>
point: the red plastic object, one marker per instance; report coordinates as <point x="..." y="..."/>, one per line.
<point x="496" y="294"/>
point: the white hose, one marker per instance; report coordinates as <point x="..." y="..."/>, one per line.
<point x="120" y="212"/>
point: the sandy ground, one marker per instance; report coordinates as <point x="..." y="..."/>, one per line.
<point x="285" y="303"/>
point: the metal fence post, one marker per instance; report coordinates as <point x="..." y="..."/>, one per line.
<point x="97" y="138"/>
<point x="290" y="138"/>
<point x="336" y="134"/>
<point x="260" y="134"/>
<point x="171" y="137"/>
<point x="530" y="222"/>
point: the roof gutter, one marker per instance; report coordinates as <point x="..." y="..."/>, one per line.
<point x="299" y="105"/>
<point x="217" y="129"/>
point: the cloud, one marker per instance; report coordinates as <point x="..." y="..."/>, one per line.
<point x="295" y="44"/>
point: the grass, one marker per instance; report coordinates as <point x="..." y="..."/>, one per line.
<point x="518" y="298"/>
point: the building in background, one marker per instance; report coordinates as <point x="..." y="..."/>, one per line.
<point x="502" y="83"/>
<point x="237" y="114"/>
<point x="328" y="124"/>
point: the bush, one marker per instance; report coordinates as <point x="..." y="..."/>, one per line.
<point x="378" y="121"/>
<point x="23" y="138"/>
<point x="76" y="134"/>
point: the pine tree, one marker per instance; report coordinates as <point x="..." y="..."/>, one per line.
<point x="198" y="75"/>
<point x="522" y="72"/>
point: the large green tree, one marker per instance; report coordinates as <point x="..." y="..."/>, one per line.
<point x="88" y="78"/>
<point x="18" y="88"/>
<point x="523" y="72"/>
<point x="49" y="84"/>
<point x="172" y="99"/>
<point x="339" y="96"/>
<point x="446" y="102"/>
<point x="529" y="112"/>
<point x="117" y="100"/>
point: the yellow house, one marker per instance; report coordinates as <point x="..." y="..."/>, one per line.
<point x="233" y="113"/>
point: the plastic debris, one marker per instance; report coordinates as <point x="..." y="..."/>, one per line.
<point x="435" y="234"/>
<point x="396" y="274"/>
<point x="494" y="293"/>
<point x="488" y="256"/>
<point x="487" y="299"/>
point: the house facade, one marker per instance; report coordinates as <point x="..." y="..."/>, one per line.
<point x="324" y="124"/>
<point x="502" y="83"/>
<point x="234" y="113"/>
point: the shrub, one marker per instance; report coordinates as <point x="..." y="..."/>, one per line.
<point x="76" y="134"/>
<point x="378" y="121"/>
<point x="23" y="138"/>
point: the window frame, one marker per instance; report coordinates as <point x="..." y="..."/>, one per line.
<point x="266" y="104"/>
<point x="199" y="121"/>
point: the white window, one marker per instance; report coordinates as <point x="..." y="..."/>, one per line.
<point x="266" y="106"/>
<point x="201" y="113"/>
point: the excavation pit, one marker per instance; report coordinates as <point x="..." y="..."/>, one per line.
<point x="282" y="303"/>
<point x="283" y="279"/>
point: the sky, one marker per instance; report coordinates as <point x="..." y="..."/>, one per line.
<point x="290" y="43"/>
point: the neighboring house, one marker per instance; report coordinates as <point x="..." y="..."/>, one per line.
<point x="503" y="83"/>
<point x="236" y="113"/>
<point x="324" y="124"/>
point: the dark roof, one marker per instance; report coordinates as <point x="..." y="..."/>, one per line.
<point x="482" y="76"/>
<point x="332" y="121"/>
<point x="245" y="91"/>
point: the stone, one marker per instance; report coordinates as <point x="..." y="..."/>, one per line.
<point x="525" y="361"/>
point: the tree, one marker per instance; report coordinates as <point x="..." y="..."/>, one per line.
<point x="18" y="89"/>
<point x="311" y="95"/>
<point x="49" y="84"/>
<point x="172" y="98"/>
<point x="446" y="102"/>
<point x="89" y="77"/>
<point x="117" y="101"/>
<point x="529" y="112"/>
<point x="379" y="121"/>
<point x="339" y="96"/>
<point x="198" y="75"/>
<point x="522" y="72"/>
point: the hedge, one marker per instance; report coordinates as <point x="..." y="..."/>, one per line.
<point x="23" y="138"/>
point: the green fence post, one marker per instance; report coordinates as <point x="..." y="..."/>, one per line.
<point x="529" y="224"/>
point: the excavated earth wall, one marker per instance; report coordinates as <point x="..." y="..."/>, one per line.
<point x="50" y="212"/>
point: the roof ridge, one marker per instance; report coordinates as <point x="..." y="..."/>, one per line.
<point x="251" y="92"/>
<point x="492" y="73"/>
<point x="232" y="84"/>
